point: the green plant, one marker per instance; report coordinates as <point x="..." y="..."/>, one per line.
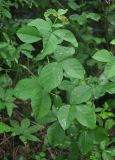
<point x="60" y="74"/>
<point x="24" y="130"/>
<point x="63" y="71"/>
<point x="40" y="156"/>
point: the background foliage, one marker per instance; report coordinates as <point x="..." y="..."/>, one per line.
<point x="57" y="80"/>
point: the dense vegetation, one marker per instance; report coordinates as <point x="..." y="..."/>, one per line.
<point x="57" y="80"/>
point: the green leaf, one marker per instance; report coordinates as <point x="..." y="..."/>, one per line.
<point x="25" y="123"/>
<point x="24" y="138"/>
<point x="4" y="128"/>
<point x="85" y="142"/>
<point x="28" y="34"/>
<point x="49" y="39"/>
<point x="66" y="35"/>
<point x="112" y="42"/>
<point x="73" y="68"/>
<point x="98" y="91"/>
<point x="43" y="26"/>
<point x="16" y="129"/>
<point x="7" y="14"/>
<point x="103" y="55"/>
<point x="81" y="19"/>
<point x="57" y="101"/>
<point x="109" y="123"/>
<point x="66" y="116"/>
<point x="86" y="116"/>
<point x="73" y="5"/>
<point x="93" y="16"/>
<point x="62" y="11"/>
<point x="111" y="18"/>
<point x="22" y="158"/>
<point x="80" y="94"/>
<point x="49" y="118"/>
<point x="51" y="76"/>
<point x="49" y="46"/>
<point x="27" y="47"/>
<point x="26" y="88"/>
<point x="66" y="85"/>
<point x="10" y="106"/>
<point x="112" y="151"/>
<point x="63" y="52"/>
<point x="106" y="155"/>
<point x="110" y="87"/>
<point x="41" y="104"/>
<point x="34" y="129"/>
<point x="56" y="135"/>
<point x="74" y="152"/>
<point x="110" y="69"/>
<point x="99" y="134"/>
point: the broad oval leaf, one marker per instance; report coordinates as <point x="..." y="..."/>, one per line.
<point x="110" y="69"/>
<point x="49" y="46"/>
<point x="67" y="36"/>
<point x="41" y="104"/>
<point x="73" y="68"/>
<point x="106" y="154"/>
<point x="103" y="55"/>
<point x="99" y="134"/>
<point x="63" y="52"/>
<point x="85" y="142"/>
<point x="56" y="135"/>
<point x="51" y="76"/>
<point x="110" y="87"/>
<point x="80" y="94"/>
<point x="50" y="41"/>
<point x="86" y="116"/>
<point x="28" y="34"/>
<point x="66" y="116"/>
<point x="26" y="88"/>
<point x="43" y="26"/>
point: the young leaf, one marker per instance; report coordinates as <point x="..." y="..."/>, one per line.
<point x="25" y="123"/>
<point x="86" y="116"/>
<point x="28" y="34"/>
<point x="112" y="42"/>
<point x="10" y="106"/>
<point x="24" y="138"/>
<point x="4" y="128"/>
<point x="34" y="129"/>
<point x="66" y="116"/>
<point x="67" y="36"/>
<point x="103" y="55"/>
<point x="80" y="94"/>
<point x="73" y="68"/>
<point x="51" y="76"/>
